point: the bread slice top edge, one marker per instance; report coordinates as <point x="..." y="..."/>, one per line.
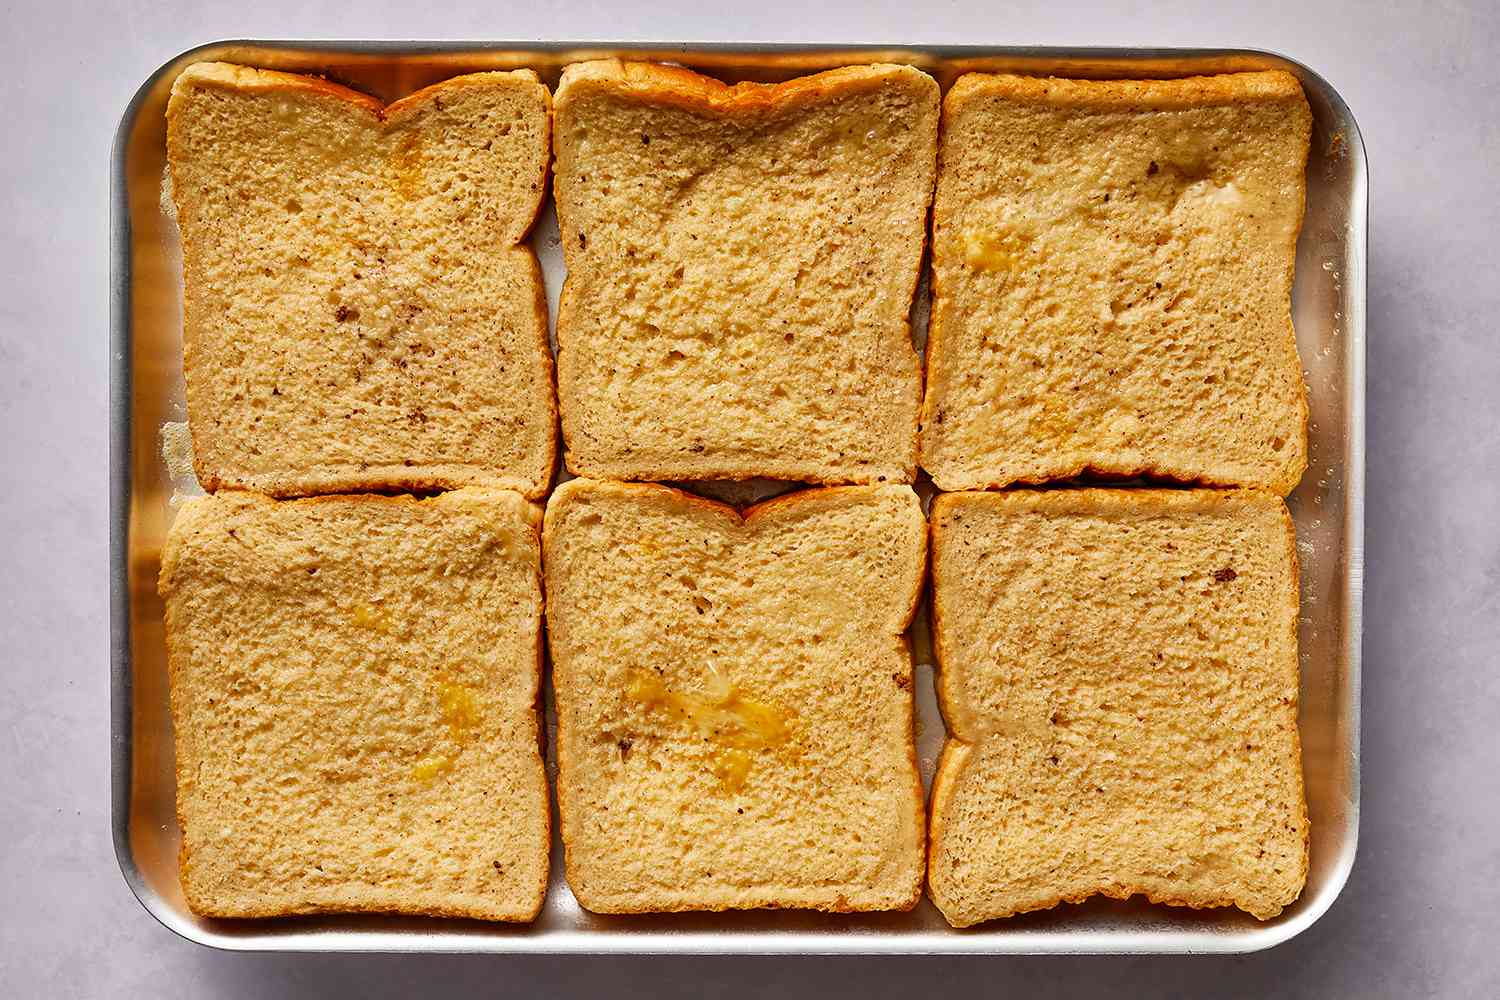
<point x="742" y="519"/>
<point x="199" y="508"/>
<point x="1173" y="93"/>
<point x="679" y="87"/>
<point x="251" y="80"/>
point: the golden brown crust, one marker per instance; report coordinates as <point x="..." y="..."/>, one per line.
<point x="1126" y="95"/>
<point x="950" y="768"/>
<point x="1294" y="607"/>
<point x="1107" y="501"/>
<point x="540" y="489"/>
<point x="677" y="87"/>
<point x="229" y="76"/>
<point x="204" y="907"/>
<point x="538" y="714"/>
<point x="595" y="904"/>
<point x="376" y="479"/>
<point x="718" y="508"/>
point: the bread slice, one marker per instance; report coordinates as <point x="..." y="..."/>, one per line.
<point x="354" y="687"/>
<point x="359" y="310"/>
<point x="1118" y="671"/>
<point x="1112" y="276"/>
<point x="734" y="697"/>
<point x="741" y="265"/>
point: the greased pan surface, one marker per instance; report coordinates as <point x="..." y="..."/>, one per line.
<point x="146" y="400"/>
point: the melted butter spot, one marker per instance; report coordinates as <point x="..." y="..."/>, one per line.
<point x="459" y="707"/>
<point x="732" y="768"/>
<point x="430" y="767"/>
<point x="994" y="249"/>
<point x="1098" y="416"/>
<point x="864" y="130"/>
<point x="723" y="715"/>
<point x="370" y="617"/>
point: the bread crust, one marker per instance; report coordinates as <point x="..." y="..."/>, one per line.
<point x="378" y="477"/>
<point x="790" y="504"/>
<point x="1125" y="95"/>
<point x="678" y="87"/>
<point x="1268" y="86"/>
<point x="675" y="87"/>
<point x="202" y="510"/>
<point x="962" y="739"/>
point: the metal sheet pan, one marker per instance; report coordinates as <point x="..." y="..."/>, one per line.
<point x="146" y="393"/>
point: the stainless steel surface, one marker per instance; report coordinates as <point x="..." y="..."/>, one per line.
<point x="146" y="393"/>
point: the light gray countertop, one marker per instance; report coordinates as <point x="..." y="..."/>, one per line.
<point x="1419" y="914"/>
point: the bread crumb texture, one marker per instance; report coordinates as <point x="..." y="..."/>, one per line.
<point x="1118" y="670"/>
<point x="353" y="687"/>
<point x="359" y="312"/>
<point x="1112" y="276"/>
<point x="734" y="697"/>
<point x="741" y="264"/>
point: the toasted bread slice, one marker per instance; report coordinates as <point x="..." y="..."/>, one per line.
<point x="1112" y="276"/>
<point x="734" y="697"/>
<point x="359" y="310"/>
<point x="1118" y="671"/>
<point x="354" y="687"/>
<point x="741" y="265"/>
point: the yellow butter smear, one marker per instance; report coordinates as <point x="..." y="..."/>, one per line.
<point x="994" y="250"/>
<point x="732" y="768"/>
<point x="723" y="715"/>
<point x="370" y="617"/>
<point x="430" y="767"/>
<point x="459" y="708"/>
